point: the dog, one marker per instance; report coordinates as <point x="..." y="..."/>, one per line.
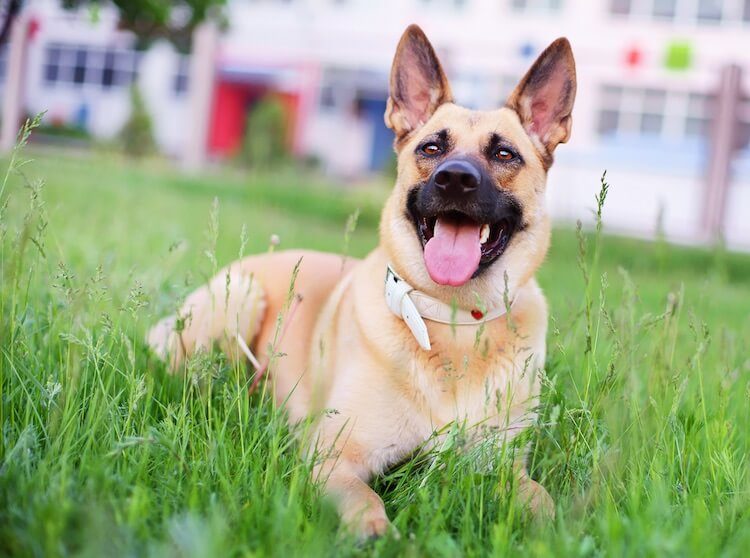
<point x="443" y="323"/>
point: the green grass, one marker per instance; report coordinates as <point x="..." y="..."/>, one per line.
<point x="643" y="438"/>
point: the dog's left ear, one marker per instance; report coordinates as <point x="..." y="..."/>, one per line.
<point x="418" y="84"/>
<point x="544" y="97"/>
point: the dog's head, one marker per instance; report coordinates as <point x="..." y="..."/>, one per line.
<point x="468" y="208"/>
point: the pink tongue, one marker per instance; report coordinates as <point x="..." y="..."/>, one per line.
<point x="452" y="255"/>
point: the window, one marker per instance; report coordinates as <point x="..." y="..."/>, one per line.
<point x="699" y="109"/>
<point x="327" y="98"/>
<point x="620" y="7"/>
<point x="653" y="113"/>
<point x="743" y="139"/>
<point x="180" y="84"/>
<point x="52" y="64"/>
<point x="446" y="3"/>
<point x="709" y="11"/>
<point x="536" y="5"/>
<point x="702" y="12"/>
<point x="483" y="91"/>
<point x="81" y="65"/>
<point x="79" y="70"/>
<point x="338" y="90"/>
<point x="3" y="60"/>
<point x="609" y="114"/>
<point x="108" y="71"/>
<point x="664" y="9"/>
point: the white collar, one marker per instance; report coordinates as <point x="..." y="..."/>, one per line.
<point x="411" y="306"/>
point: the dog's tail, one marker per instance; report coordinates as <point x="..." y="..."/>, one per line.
<point x="227" y="312"/>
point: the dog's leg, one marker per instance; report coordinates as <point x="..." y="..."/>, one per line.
<point x="532" y="495"/>
<point x="351" y="447"/>
<point x="359" y="506"/>
<point x="231" y="305"/>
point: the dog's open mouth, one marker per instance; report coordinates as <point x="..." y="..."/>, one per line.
<point x="456" y="247"/>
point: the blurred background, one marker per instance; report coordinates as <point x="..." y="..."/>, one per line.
<point x="662" y="101"/>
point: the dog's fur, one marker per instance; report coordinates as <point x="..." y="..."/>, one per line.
<point x="345" y="350"/>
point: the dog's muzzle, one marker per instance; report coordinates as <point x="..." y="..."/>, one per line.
<point x="464" y="220"/>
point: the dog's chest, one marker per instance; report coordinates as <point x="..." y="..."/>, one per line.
<point x="475" y="387"/>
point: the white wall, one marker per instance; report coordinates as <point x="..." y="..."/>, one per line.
<point x="637" y="203"/>
<point x="109" y="109"/>
<point x="168" y="110"/>
<point x="349" y="151"/>
<point x="737" y="217"/>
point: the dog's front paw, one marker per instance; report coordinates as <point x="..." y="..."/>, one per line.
<point x="373" y="528"/>
<point x="371" y="524"/>
<point x="535" y="498"/>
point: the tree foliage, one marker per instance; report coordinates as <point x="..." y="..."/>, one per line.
<point x="137" y="136"/>
<point x="265" y="144"/>
<point x="155" y="19"/>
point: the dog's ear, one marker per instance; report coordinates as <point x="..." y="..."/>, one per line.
<point x="544" y="97"/>
<point x="418" y="84"/>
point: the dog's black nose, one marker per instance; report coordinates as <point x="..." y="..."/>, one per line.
<point x="456" y="178"/>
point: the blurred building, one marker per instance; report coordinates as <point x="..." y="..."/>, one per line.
<point x="648" y="106"/>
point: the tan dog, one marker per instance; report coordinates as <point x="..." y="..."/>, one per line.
<point x="463" y="232"/>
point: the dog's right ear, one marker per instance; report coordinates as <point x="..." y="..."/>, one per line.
<point x="418" y="84"/>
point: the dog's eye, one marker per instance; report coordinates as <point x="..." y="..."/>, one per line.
<point x="504" y="155"/>
<point x="431" y="149"/>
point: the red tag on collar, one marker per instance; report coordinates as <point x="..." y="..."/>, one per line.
<point x="477" y="314"/>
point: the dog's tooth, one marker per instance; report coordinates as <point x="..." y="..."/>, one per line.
<point x="484" y="233"/>
<point x="436" y="227"/>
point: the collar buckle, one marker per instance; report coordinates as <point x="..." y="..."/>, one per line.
<point x="414" y="307"/>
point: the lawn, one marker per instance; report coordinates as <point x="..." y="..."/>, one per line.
<point x="643" y="438"/>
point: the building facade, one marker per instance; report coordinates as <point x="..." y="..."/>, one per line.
<point x="649" y="73"/>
